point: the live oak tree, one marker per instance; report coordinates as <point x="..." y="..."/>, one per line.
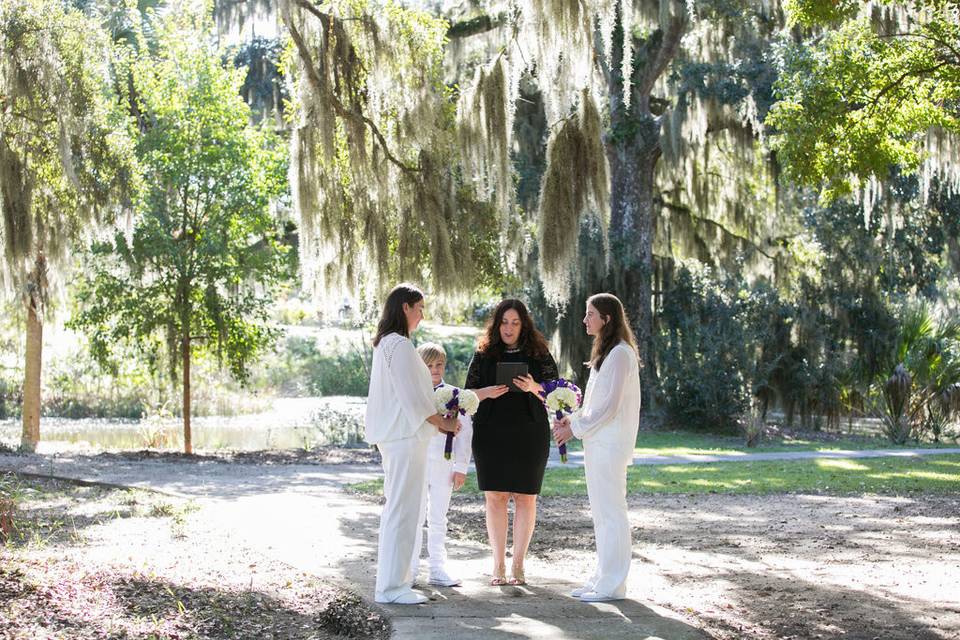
<point x="375" y="113"/>
<point x="199" y="266"/>
<point x="653" y="110"/>
<point x="66" y="161"/>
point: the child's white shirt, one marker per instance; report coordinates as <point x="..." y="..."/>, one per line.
<point x="462" y="443"/>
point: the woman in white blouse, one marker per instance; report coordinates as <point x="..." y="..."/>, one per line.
<point x="607" y="424"/>
<point x="401" y="417"/>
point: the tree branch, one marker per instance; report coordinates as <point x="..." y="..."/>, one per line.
<point x="904" y="76"/>
<point x="700" y="219"/>
<point x="317" y="83"/>
<point x="39" y="122"/>
<point x="666" y="52"/>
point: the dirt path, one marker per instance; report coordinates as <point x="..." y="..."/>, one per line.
<point x="298" y="514"/>
<point x="793" y="566"/>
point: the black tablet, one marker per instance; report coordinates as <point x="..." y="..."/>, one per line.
<point x="507" y="371"/>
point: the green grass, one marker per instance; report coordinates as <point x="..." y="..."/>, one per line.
<point x="927" y="474"/>
<point x="683" y="443"/>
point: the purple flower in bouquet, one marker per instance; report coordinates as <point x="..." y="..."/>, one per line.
<point x="561" y="397"/>
<point x="451" y="401"/>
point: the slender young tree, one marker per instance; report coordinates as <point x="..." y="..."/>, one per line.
<point x="66" y="161"/>
<point x="205" y="251"/>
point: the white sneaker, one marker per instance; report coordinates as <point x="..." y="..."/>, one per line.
<point x="593" y="596"/>
<point x="443" y="579"/>
<point x="410" y="597"/>
<point x="579" y="591"/>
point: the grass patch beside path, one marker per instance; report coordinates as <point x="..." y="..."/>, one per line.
<point x="892" y="476"/>
<point x="685" y="443"/>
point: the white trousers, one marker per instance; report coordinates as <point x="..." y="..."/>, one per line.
<point x="439" y="490"/>
<point x="404" y="475"/>
<point x="606" y="471"/>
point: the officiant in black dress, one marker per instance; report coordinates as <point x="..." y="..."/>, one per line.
<point x="511" y="432"/>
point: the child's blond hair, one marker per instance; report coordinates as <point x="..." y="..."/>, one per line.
<point x="432" y="352"/>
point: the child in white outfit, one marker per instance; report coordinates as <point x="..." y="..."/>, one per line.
<point x="443" y="477"/>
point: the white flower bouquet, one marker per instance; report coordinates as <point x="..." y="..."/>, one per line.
<point x="452" y="401"/>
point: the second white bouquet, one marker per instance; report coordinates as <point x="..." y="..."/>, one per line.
<point x="452" y="401"/>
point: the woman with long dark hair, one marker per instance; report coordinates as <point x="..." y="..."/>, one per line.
<point x="511" y="431"/>
<point x="401" y="417"/>
<point x="607" y="424"/>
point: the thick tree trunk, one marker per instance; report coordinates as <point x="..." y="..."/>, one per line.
<point x="633" y="150"/>
<point x="187" y="435"/>
<point x="632" y="165"/>
<point x="31" y="380"/>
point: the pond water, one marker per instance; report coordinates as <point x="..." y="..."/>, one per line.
<point x="290" y="423"/>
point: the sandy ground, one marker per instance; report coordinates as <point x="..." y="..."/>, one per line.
<point x="89" y="563"/>
<point x="781" y="566"/>
<point x="738" y="567"/>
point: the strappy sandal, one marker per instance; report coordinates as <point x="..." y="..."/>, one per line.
<point x="499" y="579"/>
<point x="518" y="578"/>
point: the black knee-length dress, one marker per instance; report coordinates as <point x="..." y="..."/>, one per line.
<point x="511" y="434"/>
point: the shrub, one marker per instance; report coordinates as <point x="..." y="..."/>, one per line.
<point x="705" y="353"/>
<point x="342" y="368"/>
<point x="922" y="395"/>
<point x="941" y="410"/>
<point x="344" y="371"/>
<point x="338" y="426"/>
<point x="897" y="423"/>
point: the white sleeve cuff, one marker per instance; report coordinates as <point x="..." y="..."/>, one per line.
<point x="576" y="428"/>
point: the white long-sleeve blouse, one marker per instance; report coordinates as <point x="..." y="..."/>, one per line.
<point x="401" y="394"/>
<point x="611" y="406"/>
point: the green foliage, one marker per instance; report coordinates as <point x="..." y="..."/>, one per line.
<point x="859" y="99"/>
<point x="922" y="394"/>
<point x="823" y="353"/>
<point x="66" y="156"/>
<point x="810" y="13"/>
<point x="305" y="367"/>
<point x="705" y="352"/>
<point x="204" y="253"/>
<point x="335" y="370"/>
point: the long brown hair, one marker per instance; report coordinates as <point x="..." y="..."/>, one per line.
<point x="531" y="341"/>
<point x="615" y="329"/>
<point x="393" y="319"/>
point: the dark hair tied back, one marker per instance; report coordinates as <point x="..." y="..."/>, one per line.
<point x="393" y="319"/>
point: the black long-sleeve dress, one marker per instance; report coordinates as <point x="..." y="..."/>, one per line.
<point x="511" y="434"/>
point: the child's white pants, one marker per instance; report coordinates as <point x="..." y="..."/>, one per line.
<point x="439" y="490"/>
